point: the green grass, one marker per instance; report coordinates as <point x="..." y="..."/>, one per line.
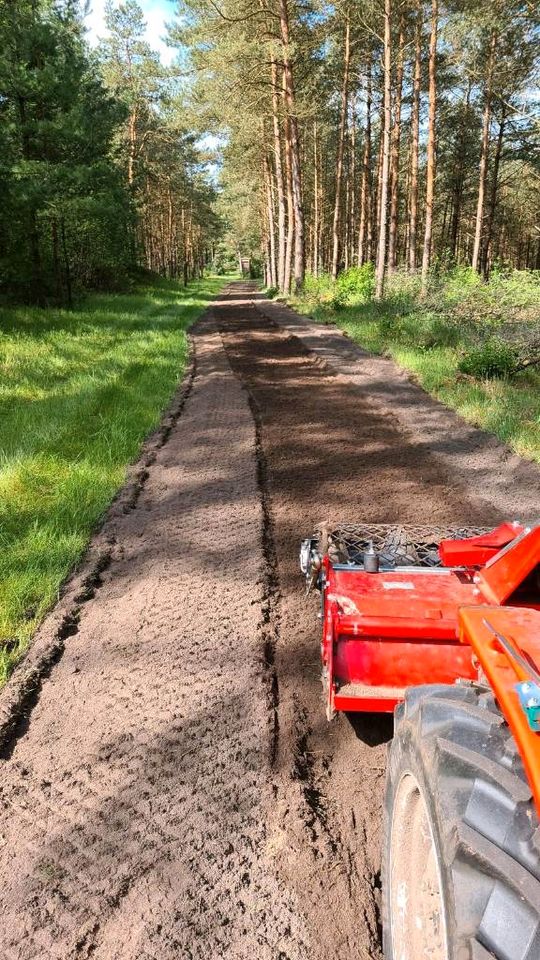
<point x="430" y="338"/>
<point x="79" y="391"/>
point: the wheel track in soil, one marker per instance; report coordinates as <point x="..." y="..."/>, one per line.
<point x="327" y="453"/>
<point x="136" y="803"/>
<point x="176" y="790"/>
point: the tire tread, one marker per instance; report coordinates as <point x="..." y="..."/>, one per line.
<point x="483" y="808"/>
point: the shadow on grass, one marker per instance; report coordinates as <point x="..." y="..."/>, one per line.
<point x="428" y="341"/>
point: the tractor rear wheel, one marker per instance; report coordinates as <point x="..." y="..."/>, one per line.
<point x="461" y="864"/>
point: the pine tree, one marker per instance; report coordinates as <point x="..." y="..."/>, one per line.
<point x="64" y="211"/>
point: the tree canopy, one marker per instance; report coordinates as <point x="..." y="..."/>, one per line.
<point x="100" y="170"/>
<point x="401" y="133"/>
<point x="397" y="131"/>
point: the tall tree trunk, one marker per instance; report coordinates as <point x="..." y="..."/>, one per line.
<point x="294" y="145"/>
<point x="290" y="212"/>
<point x="170" y="228"/>
<point x="321" y="170"/>
<point x="493" y="197"/>
<point x="341" y="146"/>
<point x="459" y="182"/>
<point x="527" y="251"/>
<point x="316" y="228"/>
<point x="67" y="269"/>
<point x="280" y="187"/>
<point x="431" y="145"/>
<point x="272" y="267"/>
<point x="351" y="193"/>
<point x="394" y="160"/>
<point x="385" y="138"/>
<point x="132" y="145"/>
<point x="56" y="259"/>
<point x="364" y="230"/>
<point x="33" y="232"/>
<point x="38" y="294"/>
<point x="444" y="222"/>
<point x="415" y="140"/>
<point x="482" y="178"/>
<point x="376" y="214"/>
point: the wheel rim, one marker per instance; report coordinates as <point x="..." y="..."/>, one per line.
<point x="417" y="918"/>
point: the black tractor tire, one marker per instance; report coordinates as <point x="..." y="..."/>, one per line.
<point x="461" y="857"/>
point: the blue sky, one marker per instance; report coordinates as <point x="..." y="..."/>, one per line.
<point x="156" y="12"/>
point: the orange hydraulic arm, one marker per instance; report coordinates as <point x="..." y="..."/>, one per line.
<point x="506" y="641"/>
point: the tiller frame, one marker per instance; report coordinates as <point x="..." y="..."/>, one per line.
<point x="390" y="602"/>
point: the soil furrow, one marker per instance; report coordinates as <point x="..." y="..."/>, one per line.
<point x="331" y="452"/>
<point x="178" y="792"/>
<point x="271" y="596"/>
<point x="137" y="808"/>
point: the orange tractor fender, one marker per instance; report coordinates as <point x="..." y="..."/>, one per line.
<point x="506" y="643"/>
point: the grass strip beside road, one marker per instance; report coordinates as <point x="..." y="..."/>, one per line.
<point x="79" y="391"/>
<point x="429" y="339"/>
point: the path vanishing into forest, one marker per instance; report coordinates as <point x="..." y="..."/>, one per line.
<point x="171" y="788"/>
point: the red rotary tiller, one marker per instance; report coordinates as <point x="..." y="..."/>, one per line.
<point x="390" y="601"/>
<point x="444" y="626"/>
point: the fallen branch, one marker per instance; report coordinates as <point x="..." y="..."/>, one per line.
<point x="530" y="362"/>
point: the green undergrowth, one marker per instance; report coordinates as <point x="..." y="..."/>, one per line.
<point x="79" y="391"/>
<point x="465" y="343"/>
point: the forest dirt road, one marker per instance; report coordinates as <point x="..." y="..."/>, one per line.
<point x="175" y="790"/>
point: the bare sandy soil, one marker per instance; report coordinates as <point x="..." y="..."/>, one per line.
<point x="173" y="789"/>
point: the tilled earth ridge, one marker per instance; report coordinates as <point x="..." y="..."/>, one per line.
<point x="177" y="791"/>
<point x="329" y="453"/>
<point x="135" y="808"/>
<point x="469" y="456"/>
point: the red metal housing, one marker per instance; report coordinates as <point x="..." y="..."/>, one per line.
<point x="385" y="631"/>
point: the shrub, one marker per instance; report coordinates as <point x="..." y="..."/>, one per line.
<point x="318" y="289"/>
<point x="225" y="261"/>
<point x="255" y="268"/>
<point x="462" y="276"/>
<point x="437" y="331"/>
<point x="403" y="288"/>
<point x="390" y="326"/>
<point x="494" y="358"/>
<point x="355" y="285"/>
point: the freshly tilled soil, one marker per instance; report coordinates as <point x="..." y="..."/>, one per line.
<point x="176" y="792"/>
